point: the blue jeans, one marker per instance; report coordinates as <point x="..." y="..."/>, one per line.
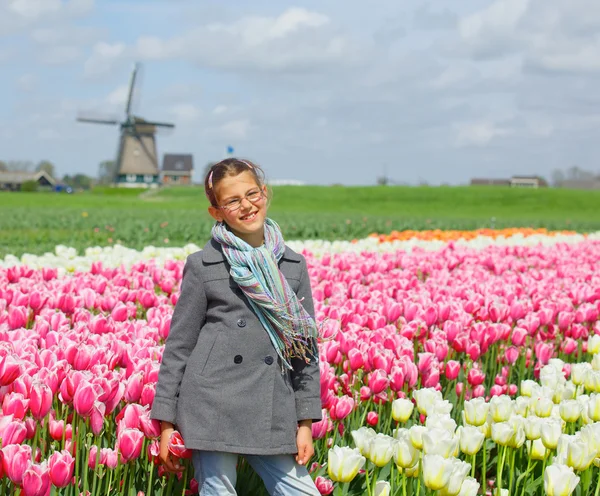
<point x="216" y="474"/>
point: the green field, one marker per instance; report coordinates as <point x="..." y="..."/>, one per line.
<point x="36" y="222"/>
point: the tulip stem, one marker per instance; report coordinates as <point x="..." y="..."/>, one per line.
<point x="367" y="477"/>
<point x="124" y="485"/>
<point x="473" y="465"/>
<point x="500" y="467"/>
<point x="484" y="468"/>
<point x="597" y="492"/>
<point x="148" y="489"/>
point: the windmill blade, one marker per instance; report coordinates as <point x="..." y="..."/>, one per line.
<point x="97" y="121"/>
<point x="157" y="124"/>
<point x="131" y="88"/>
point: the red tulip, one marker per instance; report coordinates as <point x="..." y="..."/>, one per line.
<point x="36" y="480"/>
<point x="61" y="465"/>
<point x="177" y="447"/>
<point x="15" y="404"/>
<point x="372" y="418"/>
<point x="475" y="377"/>
<point x="324" y="485"/>
<point x="378" y="381"/>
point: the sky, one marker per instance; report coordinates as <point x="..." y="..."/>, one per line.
<point x="324" y="92"/>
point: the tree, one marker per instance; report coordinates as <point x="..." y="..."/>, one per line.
<point x="106" y="171"/>
<point x="20" y="166"/>
<point x="46" y="166"/>
<point x="3" y="166"/>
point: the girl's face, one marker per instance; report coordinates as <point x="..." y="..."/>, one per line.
<point x="244" y="217"/>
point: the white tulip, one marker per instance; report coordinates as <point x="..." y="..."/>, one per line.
<point x="380" y="449"/>
<point x="502" y="433"/>
<point x="470" y="439"/>
<point x="580" y="455"/>
<point x="593" y="344"/>
<point x="501" y="408"/>
<point x="470" y="487"/>
<point x="405" y="454"/>
<point x="521" y="405"/>
<point x="527" y="387"/>
<point x="591" y="380"/>
<point x="436" y="471"/>
<point x="551" y="431"/>
<point x="439" y="442"/>
<point x="536" y="449"/>
<point x="559" y="480"/>
<point x="593" y="409"/>
<point x="570" y="410"/>
<point x="425" y="398"/>
<point x="532" y="427"/>
<point x="542" y="406"/>
<point x="460" y="470"/>
<point x="343" y="463"/>
<point x="362" y="437"/>
<point x="382" y="488"/>
<point x="415" y="433"/>
<point x="579" y="371"/>
<point x="440" y="421"/>
<point x="476" y="411"/>
<point x="402" y="409"/>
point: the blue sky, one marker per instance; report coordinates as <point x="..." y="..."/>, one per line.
<point x="323" y="92"/>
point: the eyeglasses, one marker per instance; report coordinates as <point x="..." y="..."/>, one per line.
<point x="234" y="205"/>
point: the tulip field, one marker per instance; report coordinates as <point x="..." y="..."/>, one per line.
<point x="451" y="364"/>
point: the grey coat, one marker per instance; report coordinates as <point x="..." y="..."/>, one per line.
<point x="220" y="381"/>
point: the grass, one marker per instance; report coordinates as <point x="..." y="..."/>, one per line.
<point x="36" y="222"/>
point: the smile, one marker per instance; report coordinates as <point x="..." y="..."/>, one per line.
<point x="249" y="217"/>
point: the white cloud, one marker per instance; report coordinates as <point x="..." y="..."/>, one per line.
<point x="185" y="112"/>
<point x="33" y="9"/>
<point x="296" y="39"/>
<point x="105" y="56"/>
<point x="220" y="109"/>
<point x="118" y="97"/>
<point x="479" y="133"/>
<point x="236" y="129"/>
<point x="27" y="82"/>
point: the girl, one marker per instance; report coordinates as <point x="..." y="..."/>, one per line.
<point x="240" y="370"/>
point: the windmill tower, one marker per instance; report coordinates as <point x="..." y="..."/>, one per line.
<point x="136" y="163"/>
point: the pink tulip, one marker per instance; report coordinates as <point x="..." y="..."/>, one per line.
<point x="16" y="458"/>
<point x="109" y="458"/>
<point x="324" y="485"/>
<point x="511" y="354"/>
<point x="15" y="404"/>
<point x="84" y="399"/>
<point x="378" y="381"/>
<point x="452" y="369"/>
<point x="130" y="443"/>
<point x="133" y="389"/>
<point x="61" y="465"/>
<point x="147" y="396"/>
<point x="342" y="408"/>
<point x="40" y="400"/>
<point x="15" y="432"/>
<point x="478" y="391"/>
<point x="97" y="417"/>
<point x="475" y="377"/>
<point x="320" y="429"/>
<point x="36" y="480"/>
<point x="17" y="317"/>
<point x="430" y="316"/>
<point x="356" y="359"/>
<point x="10" y="369"/>
<point x="119" y="313"/>
<point x="83" y="357"/>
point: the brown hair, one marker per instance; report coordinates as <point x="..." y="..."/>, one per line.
<point x="231" y="167"/>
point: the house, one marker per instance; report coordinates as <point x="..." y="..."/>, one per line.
<point x="177" y="169"/>
<point x="12" y="181"/>
<point x="528" y="182"/>
<point x="489" y="182"/>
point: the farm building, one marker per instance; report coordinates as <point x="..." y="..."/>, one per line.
<point x="12" y="181"/>
<point x="177" y="169"/>
<point x="513" y="182"/>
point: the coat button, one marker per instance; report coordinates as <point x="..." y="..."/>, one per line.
<point x="238" y="359"/>
<point x="241" y="323"/>
<point x="269" y="360"/>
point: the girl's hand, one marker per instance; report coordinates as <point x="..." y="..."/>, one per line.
<point x="167" y="459"/>
<point x="304" y="442"/>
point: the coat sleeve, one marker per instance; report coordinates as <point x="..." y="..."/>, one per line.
<point x="306" y="377"/>
<point x="188" y="318"/>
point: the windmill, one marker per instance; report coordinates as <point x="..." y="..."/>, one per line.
<point x="136" y="163"/>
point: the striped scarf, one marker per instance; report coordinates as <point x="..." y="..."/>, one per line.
<point x="256" y="271"/>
